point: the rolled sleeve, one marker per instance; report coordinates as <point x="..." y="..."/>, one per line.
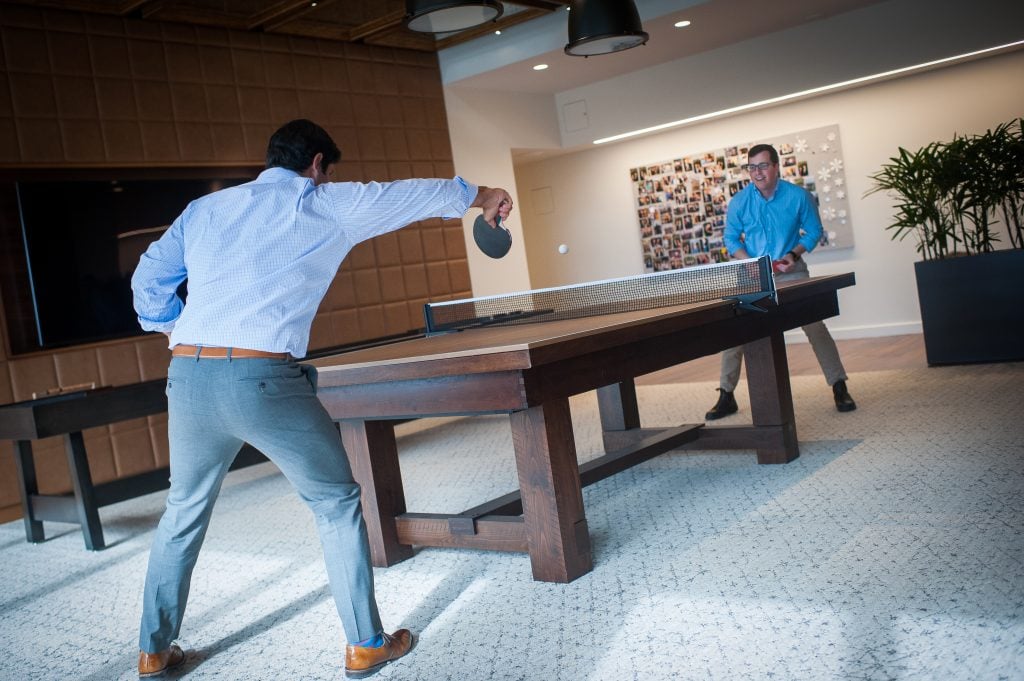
<point x="468" y="196"/>
<point x="810" y="222"/>
<point x="155" y="283"/>
<point x="734" y="225"/>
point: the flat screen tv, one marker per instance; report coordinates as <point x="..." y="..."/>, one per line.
<point x="82" y="242"/>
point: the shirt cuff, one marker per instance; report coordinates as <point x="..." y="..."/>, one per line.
<point x="468" y="192"/>
<point x="162" y="327"/>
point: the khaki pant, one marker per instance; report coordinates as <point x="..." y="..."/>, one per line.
<point x="817" y="333"/>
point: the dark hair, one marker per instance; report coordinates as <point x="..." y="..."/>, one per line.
<point x="295" y="144"/>
<point x="760" y="149"/>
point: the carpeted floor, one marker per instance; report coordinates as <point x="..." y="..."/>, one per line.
<point x="893" y="548"/>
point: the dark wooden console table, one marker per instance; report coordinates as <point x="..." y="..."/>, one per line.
<point x="68" y="415"/>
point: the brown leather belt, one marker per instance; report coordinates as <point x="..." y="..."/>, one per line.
<point x="210" y="352"/>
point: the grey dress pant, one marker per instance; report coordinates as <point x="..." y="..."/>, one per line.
<point x="817" y="333"/>
<point x="216" y="405"/>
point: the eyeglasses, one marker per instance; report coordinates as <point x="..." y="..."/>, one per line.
<point x="751" y="167"/>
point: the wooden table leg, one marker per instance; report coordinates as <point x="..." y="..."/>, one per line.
<point x="28" y="487"/>
<point x="620" y="414"/>
<point x="85" y="497"/>
<point x="549" y="480"/>
<point x="373" y="455"/>
<point x="771" y="398"/>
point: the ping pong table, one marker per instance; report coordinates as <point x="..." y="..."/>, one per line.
<point x="529" y="371"/>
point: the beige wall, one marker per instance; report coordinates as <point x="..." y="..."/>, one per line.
<point x="490" y="125"/>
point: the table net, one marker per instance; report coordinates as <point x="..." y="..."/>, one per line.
<point x="626" y="294"/>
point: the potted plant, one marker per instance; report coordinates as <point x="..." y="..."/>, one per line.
<point x="960" y="199"/>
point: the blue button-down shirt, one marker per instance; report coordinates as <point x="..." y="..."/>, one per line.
<point x="772" y="226"/>
<point x="260" y="256"/>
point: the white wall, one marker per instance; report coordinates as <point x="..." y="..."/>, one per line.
<point x="594" y="211"/>
<point x="589" y="186"/>
<point x="877" y="38"/>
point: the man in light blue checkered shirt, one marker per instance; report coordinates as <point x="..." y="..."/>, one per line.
<point x="259" y="258"/>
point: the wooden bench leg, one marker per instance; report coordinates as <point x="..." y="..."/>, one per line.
<point x="549" y="480"/>
<point x="373" y="455"/>
<point x="771" y="397"/>
<point x="28" y="487"/>
<point x="85" y="497"/>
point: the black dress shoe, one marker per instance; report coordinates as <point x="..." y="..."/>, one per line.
<point x="843" y="400"/>
<point x="726" y="405"/>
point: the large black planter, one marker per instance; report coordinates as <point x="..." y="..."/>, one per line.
<point x="972" y="308"/>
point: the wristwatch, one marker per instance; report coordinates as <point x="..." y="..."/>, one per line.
<point x="795" y="256"/>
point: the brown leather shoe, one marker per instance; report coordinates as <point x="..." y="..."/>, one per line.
<point x="155" y="664"/>
<point x="363" y="661"/>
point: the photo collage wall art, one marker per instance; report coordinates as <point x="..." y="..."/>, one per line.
<point x="681" y="204"/>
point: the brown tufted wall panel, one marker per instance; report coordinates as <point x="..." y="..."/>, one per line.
<point x="80" y="90"/>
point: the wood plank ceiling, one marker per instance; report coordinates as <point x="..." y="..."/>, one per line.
<point x="373" y="22"/>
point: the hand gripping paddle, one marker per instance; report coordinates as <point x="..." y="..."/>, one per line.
<point x="493" y="241"/>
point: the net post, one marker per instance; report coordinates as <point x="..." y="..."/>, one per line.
<point x="764" y="266"/>
<point x="428" y="319"/>
<point x="766" y="284"/>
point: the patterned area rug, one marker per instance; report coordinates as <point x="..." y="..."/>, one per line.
<point x="893" y="548"/>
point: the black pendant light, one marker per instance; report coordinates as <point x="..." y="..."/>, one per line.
<point x="603" y="26"/>
<point x="445" y="16"/>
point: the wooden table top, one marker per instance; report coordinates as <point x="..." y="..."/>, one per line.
<point x="523" y="346"/>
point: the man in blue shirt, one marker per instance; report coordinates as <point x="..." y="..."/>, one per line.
<point x="259" y="258"/>
<point x="773" y="217"/>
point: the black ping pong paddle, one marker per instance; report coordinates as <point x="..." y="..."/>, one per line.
<point x="493" y="241"/>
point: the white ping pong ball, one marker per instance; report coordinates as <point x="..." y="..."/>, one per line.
<point x="563" y="249"/>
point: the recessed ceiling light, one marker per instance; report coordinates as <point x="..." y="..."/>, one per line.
<point x="540" y="67"/>
<point x="497" y="33"/>
<point x="682" y="24"/>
